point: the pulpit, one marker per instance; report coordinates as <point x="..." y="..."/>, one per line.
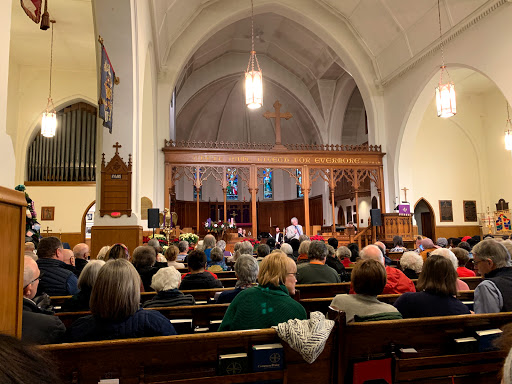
<point x="395" y="224"/>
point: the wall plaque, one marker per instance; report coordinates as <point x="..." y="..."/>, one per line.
<point x="116" y="184"/>
<point x="470" y="210"/>
<point x="446" y="210"/>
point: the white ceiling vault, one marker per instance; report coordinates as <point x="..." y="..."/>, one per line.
<point x="394" y="33"/>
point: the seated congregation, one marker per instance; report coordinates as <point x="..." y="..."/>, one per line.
<point x="123" y="295"/>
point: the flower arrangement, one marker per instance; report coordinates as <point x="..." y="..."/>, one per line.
<point x="191" y="238"/>
<point x="161" y="239"/>
<point x="215" y="227"/>
<point x="254" y="242"/>
<point x="316" y="237"/>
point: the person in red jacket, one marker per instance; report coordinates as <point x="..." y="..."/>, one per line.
<point x="463" y="258"/>
<point x="396" y="282"/>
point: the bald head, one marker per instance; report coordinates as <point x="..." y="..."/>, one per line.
<point x="81" y="251"/>
<point x="372" y="252"/>
<point x="381" y="245"/>
<point x="68" y="257"/>
<point x="30" y="272"/>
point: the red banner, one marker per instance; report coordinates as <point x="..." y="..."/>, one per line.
<point x="33" y="9"/>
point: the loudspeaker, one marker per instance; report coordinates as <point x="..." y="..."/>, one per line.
<point x="153" y="218"/>
<point x="376" y="217"/>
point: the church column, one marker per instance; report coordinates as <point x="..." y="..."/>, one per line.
<point x="198" y="188"/>
<point x="380" y="189"/>
<point x="168" y="185"/>
<point x="356" y="189"/>
<point x="332" y="187"/>
<point x="225" y="193"/>
<point x="253" y="189"/>
<point x="306" y="186"/>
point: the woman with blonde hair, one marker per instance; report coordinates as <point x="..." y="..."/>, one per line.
<point x="117" y="251"/>
<point x="115" y="308"/>
<point x="171" y="254"/>
<point x="269" y="303"/>
<point x="80" y="301"/>
<point x="103" y="252"/>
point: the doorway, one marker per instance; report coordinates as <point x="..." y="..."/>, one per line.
<point x="425" y="219"/>
<point x="87" y="222"/>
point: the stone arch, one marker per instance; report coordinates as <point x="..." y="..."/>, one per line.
<point x="424" y="214"/>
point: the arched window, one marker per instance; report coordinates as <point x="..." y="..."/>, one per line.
<point x="232" y="192"/>
<point x="299" y="189"/>
<point x="200" y="188"/>
<point x="71" y="154"/>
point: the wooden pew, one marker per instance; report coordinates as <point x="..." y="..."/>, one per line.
<point x="322" y="304"/>
<point x="432" y="337"/>
<point x="200" y="314"/>
<point x="186" y="359"/>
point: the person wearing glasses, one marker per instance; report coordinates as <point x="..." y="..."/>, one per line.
<point x="270" y="302"/>
<point x="38" y="326"/>
<point x="57" y="280"/>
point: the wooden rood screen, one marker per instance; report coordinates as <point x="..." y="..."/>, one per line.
<point x="199" y="161"/>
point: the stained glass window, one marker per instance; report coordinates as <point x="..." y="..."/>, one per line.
<point x="299" y="189"/>
<point x="232" y="193"/>
<point x="268" y="190"/>
<point x="195" y="188"/>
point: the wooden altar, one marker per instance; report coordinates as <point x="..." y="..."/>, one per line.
<point x="199" y="161"/>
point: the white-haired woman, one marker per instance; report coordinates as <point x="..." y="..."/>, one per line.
<point x="411" y="264"/>
<point x="246" y="271"/>
<point x="166" y="283"/>
<point x="80" y="301"/>
<point x="115" y="308"/>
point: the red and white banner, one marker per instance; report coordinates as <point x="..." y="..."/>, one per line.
<point x="33" y="9"/>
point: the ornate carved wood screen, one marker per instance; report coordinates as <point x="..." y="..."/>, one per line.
<point x="394" y="224"/>
<point x="116" y="184"/>
<point x="198" y="161"/>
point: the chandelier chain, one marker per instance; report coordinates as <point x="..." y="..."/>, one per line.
<point x="51" y="66"/>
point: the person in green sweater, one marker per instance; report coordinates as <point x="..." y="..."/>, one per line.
<point x="316" y="271"/>
<point x="269" y="303"/>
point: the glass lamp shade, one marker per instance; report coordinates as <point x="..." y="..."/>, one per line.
<point x="508" y="140"/>
<point x="253" y="89"/>
<point x="445" y="100"/>
<point x="49" y="124"/>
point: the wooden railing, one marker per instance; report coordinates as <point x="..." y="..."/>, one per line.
<point x="364" y="237"/>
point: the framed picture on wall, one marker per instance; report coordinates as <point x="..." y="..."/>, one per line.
<point x="47" y="213"/>
<point x="470" y="210"/>
<point x="445" y="210"/>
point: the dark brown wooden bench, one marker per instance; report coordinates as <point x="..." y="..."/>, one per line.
<point x="185" y="359"/>
<point x="432" y="337"/>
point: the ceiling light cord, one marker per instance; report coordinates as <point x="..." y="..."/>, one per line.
<point x="51" y="66"/>
<point x="443" y="66"/>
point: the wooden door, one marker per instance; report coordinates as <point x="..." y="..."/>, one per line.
<point x="426" y="225"/>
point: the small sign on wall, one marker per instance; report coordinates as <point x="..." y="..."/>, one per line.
<point x="470" y="211"/>
<point x="446" y="210"/>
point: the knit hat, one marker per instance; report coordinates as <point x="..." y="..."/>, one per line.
<point x="466" y="238"/>
<point x="442" y="242"/>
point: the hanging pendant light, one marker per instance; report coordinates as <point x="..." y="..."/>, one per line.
<point x="445" y="92"/>
<point x="508" y="132"/>
<point x="253" y="78"/>
<point x="49" y="121"/>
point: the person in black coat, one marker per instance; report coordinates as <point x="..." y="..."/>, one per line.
<point x="80" y="301"/>
<point x="198" y="278"/>
<point x="38" y="326"/>
<point x="332" y="261"/>
<point x="115" y="308"/>
<point x="166" y="283"/>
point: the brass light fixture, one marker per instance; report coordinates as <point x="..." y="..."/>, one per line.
<point x="445" y="92"/>
<point x="253" y="77"/>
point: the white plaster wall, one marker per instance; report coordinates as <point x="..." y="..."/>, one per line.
<point x="6" y="145"/>
<point x="485" y="47"/>
<point x="70" y="204"/>
<point x="365" y="204"/>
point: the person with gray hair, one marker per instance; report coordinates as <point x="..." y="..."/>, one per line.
<point x="294" y="231"/>
<point x="316" y="271"/>
<point x="158" y="249"/>
<point x="208" y="244"/>
<point x="343" y="254"/>
<point x="38" y="325"/>
<point x="246" y="248"/>
<point x="396" y="282"/>
<point x="166" y="283"/>
<point x="183" y="251"/>
<point x="246" y="271"/>
<point x="335" y="263"/>
<point x="494" y="294"/>
<point x="217" y="263"/>
<point x="80" y="301"/>
<point x="303" y="252"/>
<point x="447" y="254"/>
<point x="411" y="264"/>
<point x="287" y="249"/>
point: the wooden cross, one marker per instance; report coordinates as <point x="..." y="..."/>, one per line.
<point x="277" y="115"/>
<point x="117" y="146"/>
<point x="47" y="230"/>
<point x="405" y="189"/>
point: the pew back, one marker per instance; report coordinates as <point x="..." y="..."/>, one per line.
<point x="184" y="359"/>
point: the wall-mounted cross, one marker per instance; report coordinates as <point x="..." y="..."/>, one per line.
<point x="405" y="189"/>
<point x="117" y="146"/>
<point x="277" y="115"/>
<point x="47" y="230"/>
